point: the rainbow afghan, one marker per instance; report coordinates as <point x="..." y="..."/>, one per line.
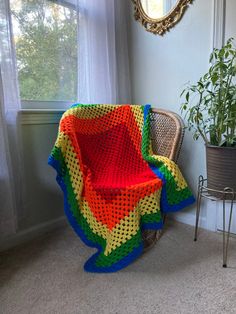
<point x="114" y="186"/>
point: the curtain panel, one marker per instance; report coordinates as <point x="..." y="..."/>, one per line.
<point x="102" y="76"/>
<point x="10" y="167"/>
<point x="103" y="52"/>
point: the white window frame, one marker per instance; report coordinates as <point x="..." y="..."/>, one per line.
<point x="47" y="104"/>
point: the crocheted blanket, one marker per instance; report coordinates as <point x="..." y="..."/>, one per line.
<point x="114" y="186"/>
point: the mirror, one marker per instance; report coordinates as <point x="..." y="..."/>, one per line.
<point x="157" y="9"/>
<point x="158" y="16"/>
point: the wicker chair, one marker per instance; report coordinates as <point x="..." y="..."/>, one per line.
<point x="167" y="132"/>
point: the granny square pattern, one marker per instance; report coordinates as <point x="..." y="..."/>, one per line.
<point x="114" y="186"/>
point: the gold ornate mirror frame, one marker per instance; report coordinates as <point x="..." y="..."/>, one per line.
<point x="161" y="25"/>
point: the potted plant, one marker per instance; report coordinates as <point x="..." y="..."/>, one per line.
<point x="210" y="111"/>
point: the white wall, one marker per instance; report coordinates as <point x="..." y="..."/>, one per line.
<point x="230" y="31"/>
<point x="43" y="200"/>
<point x="230" y="21"/>
<point x="161" y="66"/>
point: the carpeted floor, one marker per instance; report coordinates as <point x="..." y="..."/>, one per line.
<point x="176" y="276"/>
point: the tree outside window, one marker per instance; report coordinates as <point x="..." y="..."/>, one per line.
<point x="45" y="36"/>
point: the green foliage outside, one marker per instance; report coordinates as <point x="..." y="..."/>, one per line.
<point x="46" y="48"/>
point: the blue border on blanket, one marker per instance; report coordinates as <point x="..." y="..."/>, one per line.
<point x="90" y="265"/>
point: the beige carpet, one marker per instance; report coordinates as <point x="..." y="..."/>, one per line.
<point x="176" y="276"/>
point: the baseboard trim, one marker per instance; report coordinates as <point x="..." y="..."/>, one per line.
<point x="189" y="219"/>
<point x="31" y="233"/>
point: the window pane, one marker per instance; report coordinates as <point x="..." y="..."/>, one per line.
<point x="45" y="35"/>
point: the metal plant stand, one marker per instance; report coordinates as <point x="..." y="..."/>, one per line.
<point x="228" y="194"/>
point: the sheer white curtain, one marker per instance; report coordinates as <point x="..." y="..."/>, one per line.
<point x="103" y="52"/>
<point x="103" y="77"/>
<point x="10" y="191"/>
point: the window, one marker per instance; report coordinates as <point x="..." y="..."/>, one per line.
<point x="45" y="37"/>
